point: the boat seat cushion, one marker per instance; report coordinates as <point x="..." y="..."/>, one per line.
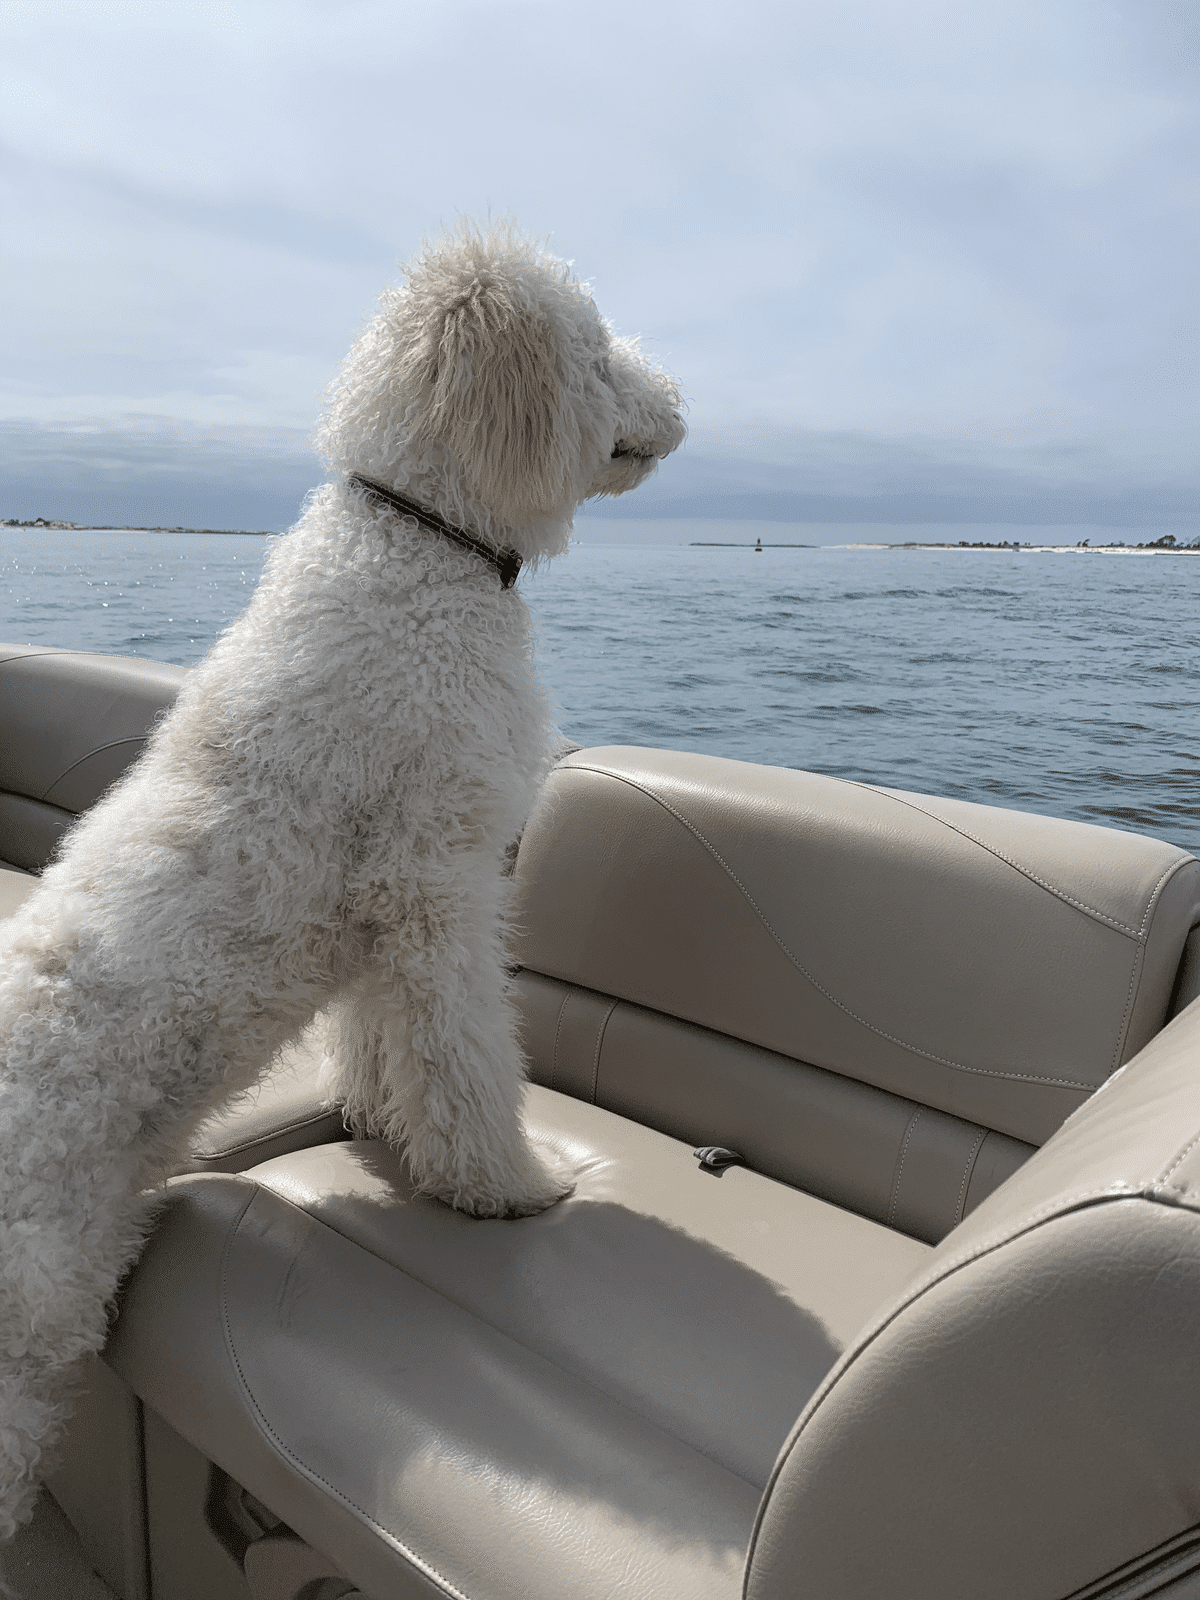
<point x="286" y="1110"/>
<point x="70" y="724"/>
<point x="992" y="965"/>
<point x="15" y="889"/>
<point x="588" y="1402"/>
<point x="888" y="1158"/>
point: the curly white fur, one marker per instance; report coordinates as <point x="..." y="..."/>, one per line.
<point x="322" y="819"/>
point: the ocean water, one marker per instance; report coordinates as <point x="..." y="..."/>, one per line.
<point x="1060" y="683"/>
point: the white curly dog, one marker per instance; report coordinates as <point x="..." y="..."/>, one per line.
<point x="322" y="819"/>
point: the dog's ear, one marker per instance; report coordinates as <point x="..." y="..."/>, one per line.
<point x="498" y="402"/>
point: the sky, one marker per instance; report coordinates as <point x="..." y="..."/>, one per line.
<point x="914" y="262"/>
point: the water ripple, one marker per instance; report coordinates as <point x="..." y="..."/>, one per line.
<point x="1070" y="688"/>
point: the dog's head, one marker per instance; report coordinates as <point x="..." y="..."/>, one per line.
<point x="489" y="379"/>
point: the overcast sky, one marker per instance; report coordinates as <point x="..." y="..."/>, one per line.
<point x="912" y="260"/>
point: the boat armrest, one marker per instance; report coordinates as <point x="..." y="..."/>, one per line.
<point x="1022" y="1420"/>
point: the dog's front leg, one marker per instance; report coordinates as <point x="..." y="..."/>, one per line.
<point x="423" y="1053"/>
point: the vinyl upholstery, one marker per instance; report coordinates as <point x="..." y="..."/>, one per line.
<point x="286" y="1111"/>
<point x="70" y="723"/>
<point x="907" y="1165"/>
<point x="1022" y="1419"/>
<point x="886" y="1003"/>
<point x="15" y="889"/>
<point x="991" y="964"/>
<point x="886" y="999"/>
<point x="588" y="1402"/>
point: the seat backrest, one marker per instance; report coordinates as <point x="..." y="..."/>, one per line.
<point x="70" y="724"/>
<point x="1022" y="1421"/>
<point x="886" y="999"/>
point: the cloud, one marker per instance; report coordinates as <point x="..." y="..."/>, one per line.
<point x="827" y="478"/>
<point x="149" y="472"/>
<point x="145" y="473"/>
<point x="963" y="237"/>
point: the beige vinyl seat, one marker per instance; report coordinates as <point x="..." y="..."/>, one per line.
<point x="932" y="1337"/>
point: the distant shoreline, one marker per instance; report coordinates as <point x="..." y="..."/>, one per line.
<point x="47" y="526"/>
<point x="1155" y="547"/>
<point x="1164" y="546"/>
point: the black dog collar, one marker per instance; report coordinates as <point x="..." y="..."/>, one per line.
<point x="506" y="562"/>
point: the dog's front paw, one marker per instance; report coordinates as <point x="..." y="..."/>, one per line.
<point x="523" y="1193"/>
<point x="530" y="1200"/>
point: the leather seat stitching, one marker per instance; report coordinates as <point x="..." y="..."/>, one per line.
<point x="912" y="1122"/>
<point x="38" y="650"/>
<point x="967" y="1171"/>
<point x="33" y="800"/>
<point x="928" y="1055"/>
<point x="1061" y="1205"/>
<point x="1178" y="1161"/>
<point x="599" y="1044"/>
<point x="113" y="744"/>
<point x="557" y="1030"/>
<point x="417" y="1561"/>
<point x="1134" y="974"/>
<point x="1154" y="892"/>
<point x="1027" y="872"/>
<point x="275" y="1131"/>
<point x="1176" y="1565"/>
<point x="1138" y="969"/>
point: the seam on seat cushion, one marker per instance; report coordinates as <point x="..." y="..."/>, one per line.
<point x="1179" y="1567"/>
<point x="1179" y="1159"/>
<point x="1179" y="1563"/>
<point x="1027" y="872"/>
<point x="972" y="1155"/>
<point x="113" y="744"/>
<point x="422" y="1566"/>
<point x="39" y="650"/>
<point x="58" y="650"/>
<point x="1130" y="996"/>
<point x="599" y="1046"/>
<point x="274" y="1132"/>
<point x="568" y="1070"/>
<point x="928" y="1055"/>
<point x="912" y="1122"/>
<point x="557" y="1030"/>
